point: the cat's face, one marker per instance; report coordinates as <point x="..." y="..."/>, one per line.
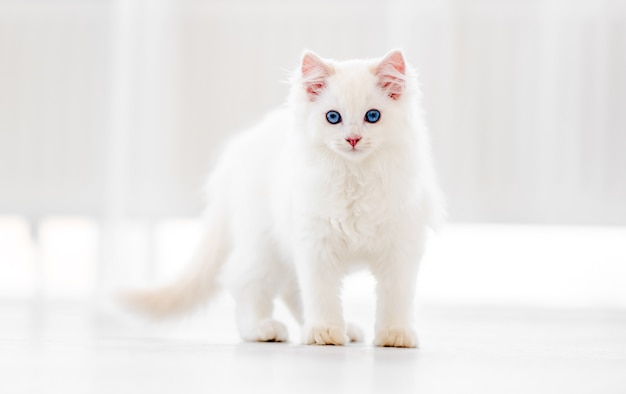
<point x="353" y="108"/>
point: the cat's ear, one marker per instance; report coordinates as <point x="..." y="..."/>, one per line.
<point x="315" y="72"/>
<point x="391" y="73"/>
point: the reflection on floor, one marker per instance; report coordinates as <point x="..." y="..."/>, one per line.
<point x="567" y="333"/>
<point x="72" y="348"/>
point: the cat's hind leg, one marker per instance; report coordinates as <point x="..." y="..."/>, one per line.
<point x="292" y="298"/>
<point x="254" y="283"/>
<point x="354" y="332"/>
<point x="255" y="307"/>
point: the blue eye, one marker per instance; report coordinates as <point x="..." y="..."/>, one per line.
<point x="372" y="116"/>
<point x="333" y="117"/>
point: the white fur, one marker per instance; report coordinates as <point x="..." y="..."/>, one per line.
<point x="294" y="209"/>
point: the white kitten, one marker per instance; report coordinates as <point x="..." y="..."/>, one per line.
<point x="339" y="178"/>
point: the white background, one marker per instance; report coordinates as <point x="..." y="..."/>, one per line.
<point x="111" y="113"/>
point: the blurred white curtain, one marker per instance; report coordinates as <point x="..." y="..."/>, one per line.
<point x="117" y="107"/>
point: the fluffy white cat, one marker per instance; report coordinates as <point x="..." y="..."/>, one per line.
<point x="338" y="179"/>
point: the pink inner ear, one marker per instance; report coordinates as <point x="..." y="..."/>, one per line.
<point x="391" y="74"/>
<point x="314" y="74"/>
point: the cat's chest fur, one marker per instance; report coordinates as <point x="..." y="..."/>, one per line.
<point x="355" y="206"/>
<point x="351" y="209"/>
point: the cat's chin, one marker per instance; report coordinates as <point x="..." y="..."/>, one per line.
<point x="353" y="154"/>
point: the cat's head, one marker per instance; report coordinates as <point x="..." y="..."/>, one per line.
<point x="354" y="107"/>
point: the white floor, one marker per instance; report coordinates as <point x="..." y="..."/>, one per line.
<point x="72" y="348"/>
<point x="503" y="309"/>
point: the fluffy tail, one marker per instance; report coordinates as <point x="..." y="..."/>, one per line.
<point x="196" y="286"/>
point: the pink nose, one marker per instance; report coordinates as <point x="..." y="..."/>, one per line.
<point x="353" y="140"/>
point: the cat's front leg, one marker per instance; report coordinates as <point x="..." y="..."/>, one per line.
<point x="320" y="279"/>
<point x="395" y="290"/>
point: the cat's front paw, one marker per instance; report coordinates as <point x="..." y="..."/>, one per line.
<point x="396" y="336"/>
<point x="319" y="334"/>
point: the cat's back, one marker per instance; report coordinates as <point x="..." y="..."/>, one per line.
<point x="259" y="140"/>
<point x="246" y="163"/>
